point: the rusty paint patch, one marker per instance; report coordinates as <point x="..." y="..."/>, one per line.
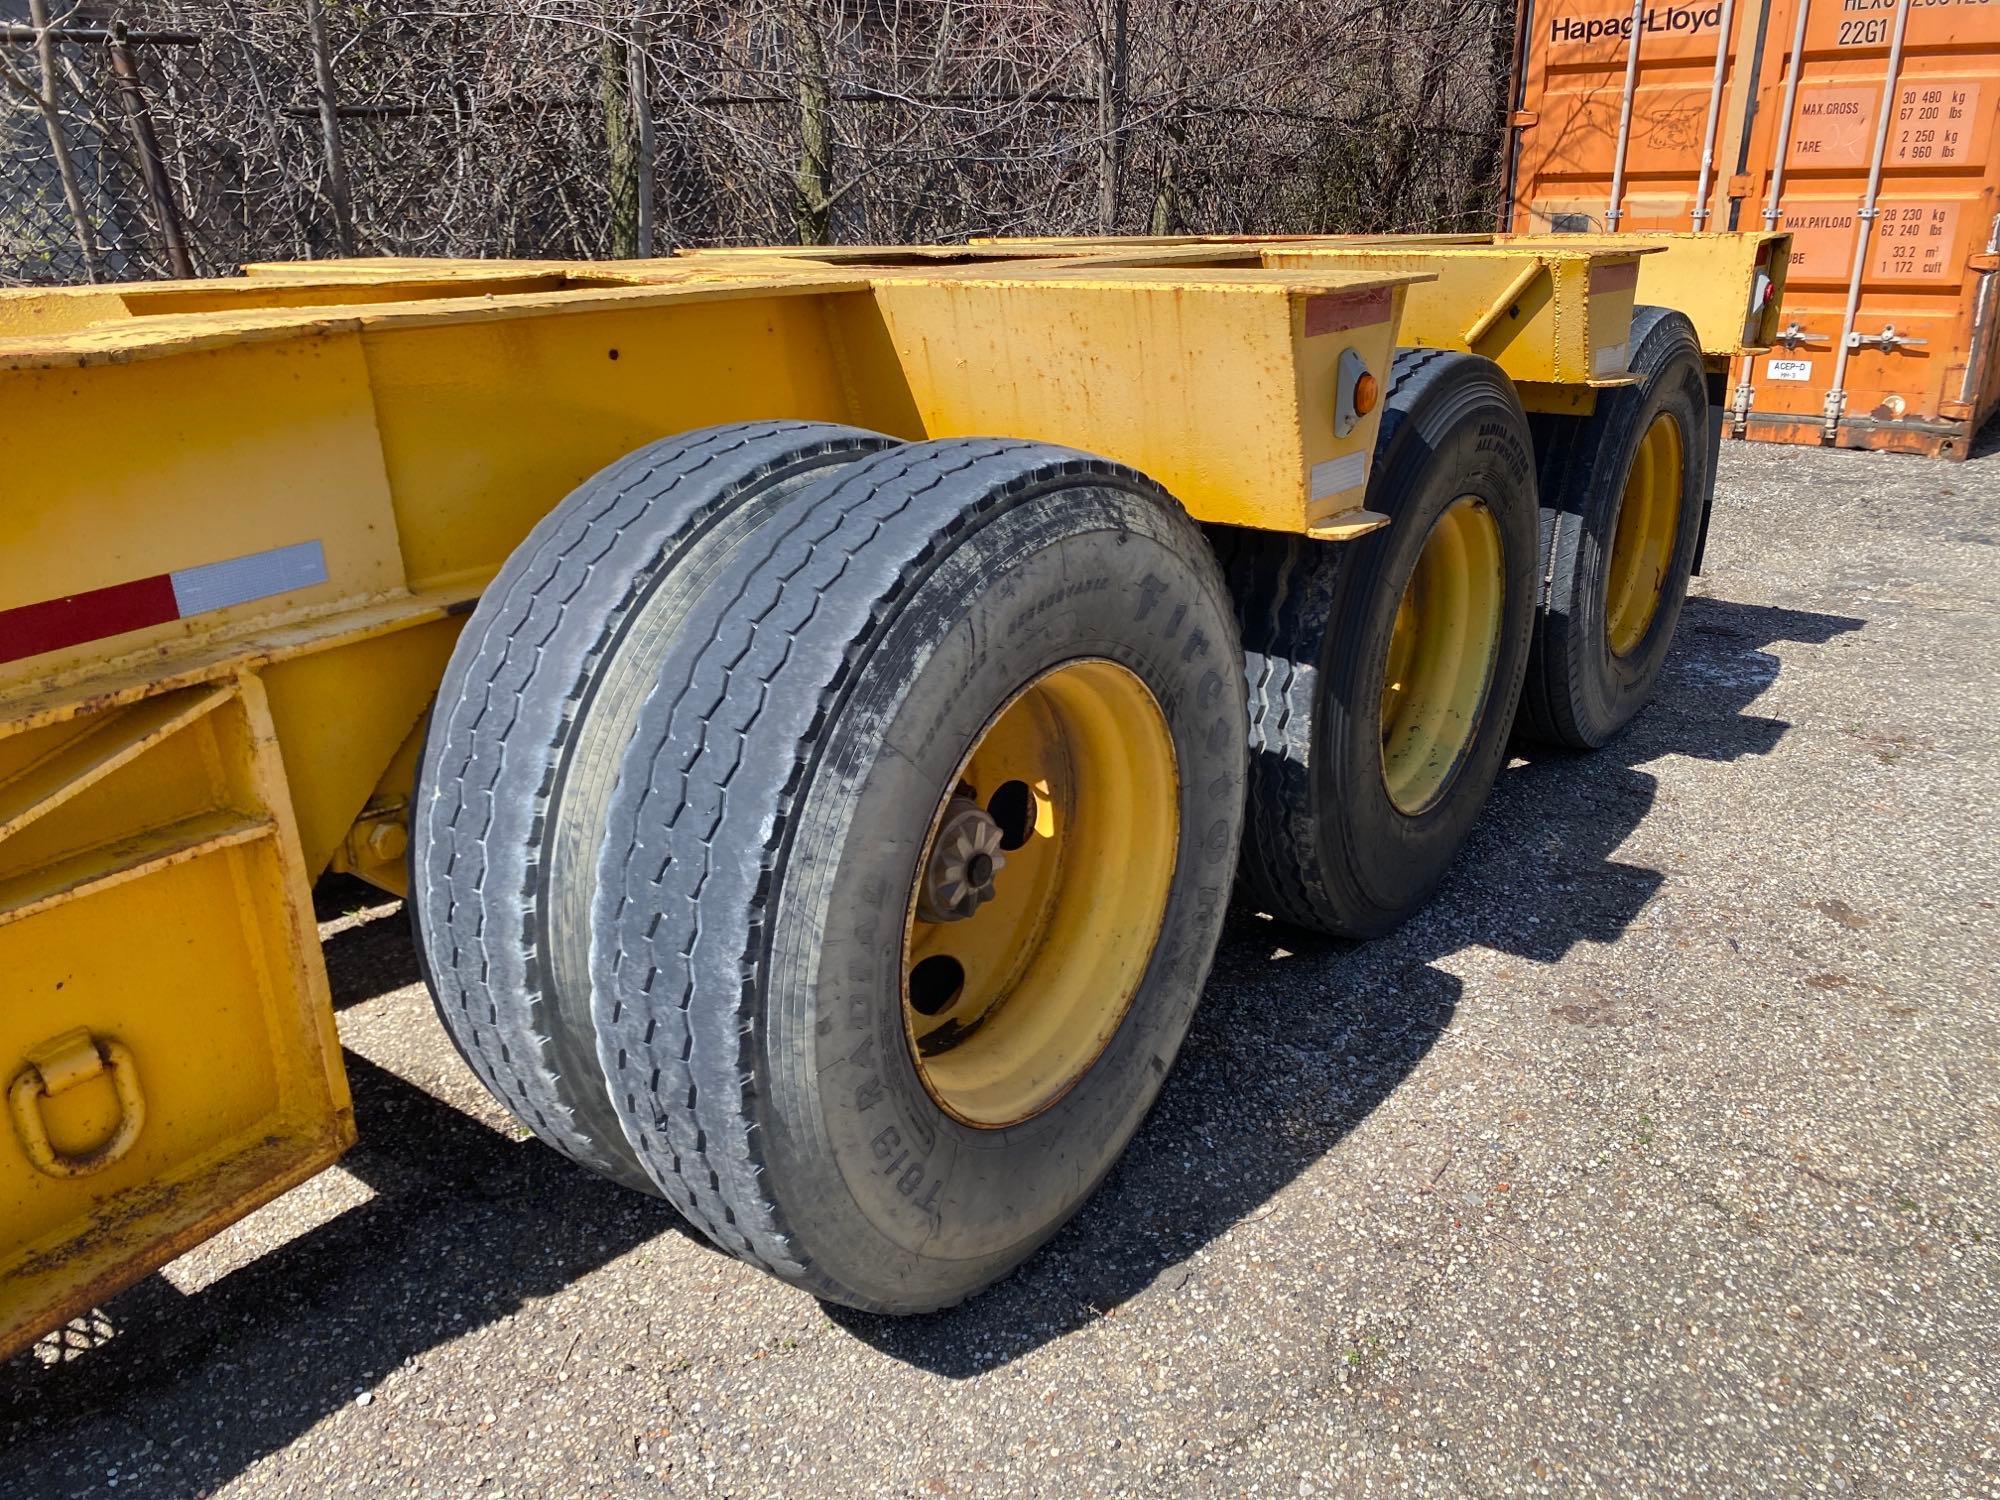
<point x="227" y="1189"/>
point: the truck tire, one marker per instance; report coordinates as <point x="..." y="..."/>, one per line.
<point x="917" y="862"/>
<point x="1622" y="496"/>
<point x="515" y="769"/>
<point x="1383" y="672"/>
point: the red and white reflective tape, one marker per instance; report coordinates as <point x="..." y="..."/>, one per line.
<point x="1613" y="276"/>
<point x="52" y="624"/>
<point x="1342" y="312"/>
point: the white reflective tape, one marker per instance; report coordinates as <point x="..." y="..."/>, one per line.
<point x="1613" y="359"/>
<point x="261" y="575"/>
<point x="1337" y="475"/>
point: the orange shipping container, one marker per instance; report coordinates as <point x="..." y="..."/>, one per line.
<point x="1864" y="127"/>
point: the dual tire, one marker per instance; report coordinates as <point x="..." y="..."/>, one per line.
<point x="833" y="836"/>
<point x="1623" y="492"/>
<point x="1383" y="672"/>
<point x="516" y="767"/>
<point x="864" y="715"/>
<point x="1536" y="566"/>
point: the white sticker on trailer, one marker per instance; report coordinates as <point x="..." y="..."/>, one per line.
<point x="1336" y="476"/>
<point x="1789" y="369"/>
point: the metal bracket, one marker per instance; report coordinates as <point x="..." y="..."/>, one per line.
<point x="1888" y="340"/>
<point x="1791" y="336"/>
<point x="1347" y="382"/>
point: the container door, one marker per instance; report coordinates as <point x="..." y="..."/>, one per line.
<point x="1907" y="376"/>
<point x="1566" y="132"/>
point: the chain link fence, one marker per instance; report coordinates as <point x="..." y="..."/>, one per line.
<point x="186" y="137"/>
<point x="39" y="226"/>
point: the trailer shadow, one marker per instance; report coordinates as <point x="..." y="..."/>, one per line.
<point x="368" y="950"/>
<point x="465" y="1226"/>
<point x="1297" y="1040"/>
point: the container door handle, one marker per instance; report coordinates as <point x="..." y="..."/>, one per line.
<point x="55" y="1067"/>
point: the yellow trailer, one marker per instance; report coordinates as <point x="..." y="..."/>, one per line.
<point x="812" y="698"/>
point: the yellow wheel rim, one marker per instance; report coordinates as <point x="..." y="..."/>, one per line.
<point x="1071" y="795"/>
<point x="1441" y="655"/>
<point x="1649" y="521"/>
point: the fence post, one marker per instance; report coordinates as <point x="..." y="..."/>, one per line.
<point x="622" y="167"/>
<point x="812" y="182"/>
<point x="133" y="97"/>
<point x="642" y="106"/>
<point x="329" y="124"/>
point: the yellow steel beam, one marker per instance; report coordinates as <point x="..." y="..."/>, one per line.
<point x="1710" y="278"/>
<point x="1559" y="316"/>
<point x="1219" y="383"/>
<point x="35" y="313"/>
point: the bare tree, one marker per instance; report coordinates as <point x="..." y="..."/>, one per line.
<point x="521" y="127"/>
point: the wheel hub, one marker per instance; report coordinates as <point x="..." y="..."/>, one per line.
<point x="1015" y="982"/>
<point x="958" y="879"/>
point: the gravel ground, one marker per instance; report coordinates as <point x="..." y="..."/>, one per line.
<point x="1657" y="1156"/>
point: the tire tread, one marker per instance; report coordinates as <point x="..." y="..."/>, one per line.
<point x="759" y="677"/>
<point x="523" y="672"/>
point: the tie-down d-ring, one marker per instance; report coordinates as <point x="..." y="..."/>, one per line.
<point x="59" y="1065"/>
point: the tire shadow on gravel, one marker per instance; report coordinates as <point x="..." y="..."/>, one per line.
<point x="1299" y="1037"/>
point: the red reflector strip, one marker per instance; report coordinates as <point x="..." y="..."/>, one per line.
<point x="76" y="618"/>
<point x="1620" y="277"/>
<point x="54" y="624"/>
<point x="1338" y="313"/>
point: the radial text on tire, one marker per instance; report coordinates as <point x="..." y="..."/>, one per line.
<point x="917" y="863"/>
<point x="1383" y="672"/>
<point x="1622" y="492"/>
<point x="524" y="741"/>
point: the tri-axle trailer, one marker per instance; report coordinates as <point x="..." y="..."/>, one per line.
<point x="818" y="703"/>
